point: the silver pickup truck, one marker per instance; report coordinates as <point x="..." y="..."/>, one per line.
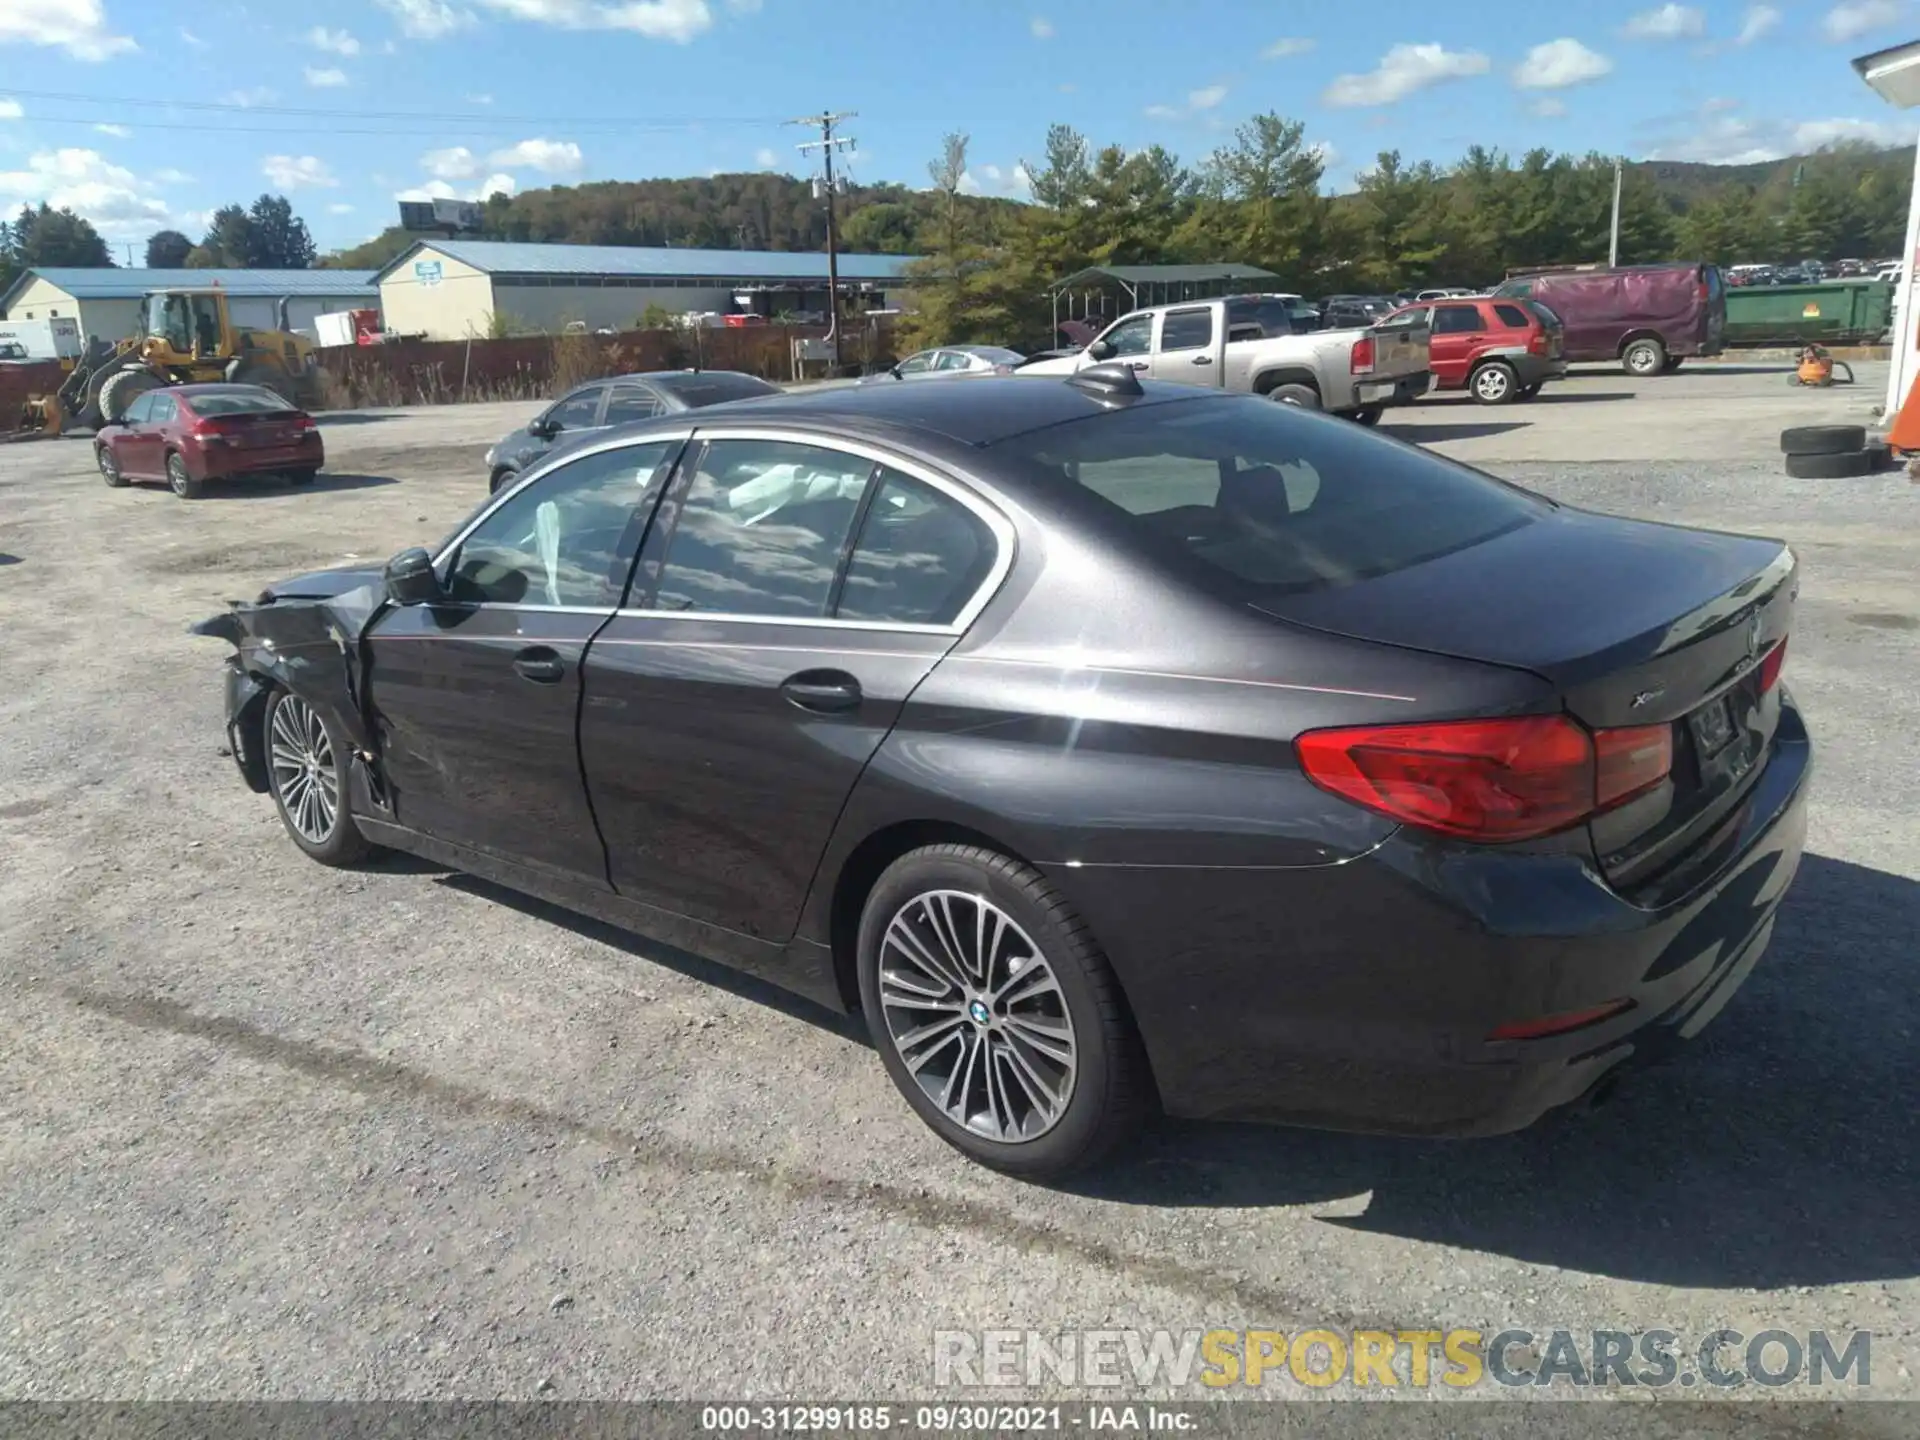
<point x="1358" y="373"/>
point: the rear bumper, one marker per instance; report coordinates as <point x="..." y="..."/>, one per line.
<point x="1401" y="390"/>
<point x="223" y="461"/>
<point x="1360" y="996"/>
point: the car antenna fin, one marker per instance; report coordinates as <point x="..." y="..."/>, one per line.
<point x="1108" y="381"/>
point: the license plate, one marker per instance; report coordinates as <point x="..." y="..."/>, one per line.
<point x="1712" y="726"/>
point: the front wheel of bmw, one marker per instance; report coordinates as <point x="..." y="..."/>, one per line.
<point x="996" y="1014"/>
<point x="307" y="772"/>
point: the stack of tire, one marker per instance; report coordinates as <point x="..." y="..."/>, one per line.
<point x="1830" y="452"/>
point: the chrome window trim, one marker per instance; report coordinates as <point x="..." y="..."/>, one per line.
<point x="989" y="515"/>
<point x="547" y="465"/>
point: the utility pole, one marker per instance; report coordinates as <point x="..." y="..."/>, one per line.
<point x="827" y="144"/>
<point x="1613" y="247"/>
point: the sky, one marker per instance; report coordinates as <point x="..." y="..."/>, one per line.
<point x="141" y="114"/>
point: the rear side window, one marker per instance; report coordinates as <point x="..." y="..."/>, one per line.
<point x="164" y="410"/>
<point x="919" y="556"/>
<point x="1457" y="319"/>
<point x="1187" y="329"/>
<point x="1249" y="497"/>
<point x="1512" y="315"/>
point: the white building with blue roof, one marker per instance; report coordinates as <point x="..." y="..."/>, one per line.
<point x="453" y="289"/>
<point x="107" y="300"/>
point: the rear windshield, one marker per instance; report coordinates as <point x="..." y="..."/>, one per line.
<point x="237" y="402"/>
<point x="1546" y="314"/>
<point x="1264" y="500"/>
<point x="712" y="388"/>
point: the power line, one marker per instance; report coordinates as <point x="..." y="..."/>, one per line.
<point x="447" y="116"/>
<point x="828" y="144"/>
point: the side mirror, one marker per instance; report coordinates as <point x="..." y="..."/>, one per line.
<point x="894" y="370"/>
<point x="410" y="578"/>
<point x="542" y="429"/>
<point x="1101" y="350"/>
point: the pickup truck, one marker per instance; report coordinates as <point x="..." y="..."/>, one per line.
<point x="1357" y="373"/>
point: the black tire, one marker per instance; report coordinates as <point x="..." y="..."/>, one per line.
<point x="502" y="476"/>
<point x="1839" y="466"/>
<point x="1822" y="439"/>
<point x="109" y="468"/>
<point x="180" y="480"/>
<point x="1369" y="414"/>
<point x="301" y="477"/>
<point x="342" y="843"/>
<point x="1879" y="456"/>
<point x="1673" y="363"/>
<point x="1304" y="396"/>
<point x="124" y="387"/>
<point x="1111" y="1087"/>
<point x="1494" y="383"/>
<point x="1644" y="357"/>
<point x="1527" y="392"/>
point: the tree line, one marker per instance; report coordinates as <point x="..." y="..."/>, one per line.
<point x="264" y="236"/>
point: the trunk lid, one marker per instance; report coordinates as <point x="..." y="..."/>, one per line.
<point x="1398" y="351"/>
<point x="1634" y="623"/>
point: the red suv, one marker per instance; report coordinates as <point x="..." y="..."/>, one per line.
<point x="1497" y="349"/>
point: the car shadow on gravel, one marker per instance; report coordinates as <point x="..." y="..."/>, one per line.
<point x="1552" y="396"/>
<point x="271" y="489"/>
<point x="1781" y="1148"/>
<point x="327" y="419"/>
<point x="1419" y="434"/>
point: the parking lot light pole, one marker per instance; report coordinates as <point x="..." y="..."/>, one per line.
<point x="1894" y="74"/>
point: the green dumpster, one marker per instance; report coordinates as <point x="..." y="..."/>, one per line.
<point x="1837" y="312"/>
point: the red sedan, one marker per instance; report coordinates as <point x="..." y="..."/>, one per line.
<point x="187" y="435"/>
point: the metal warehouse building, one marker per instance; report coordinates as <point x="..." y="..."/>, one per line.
<point x="452" y="289"/>
<point x="107" y="301"/>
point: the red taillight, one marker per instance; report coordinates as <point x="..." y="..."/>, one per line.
<point x="1544" y="1025"/>
<point x="1629" y="761"/>
<point x="208" y="428"/>
<point x="1770" y="667"/>
<point x="307" y="422"/>
<point x="1537" y="342"/>
<point x="1493" y="780"/>
<point x="1361" y="362"/>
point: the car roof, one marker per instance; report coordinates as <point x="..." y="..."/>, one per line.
<point x="974" y="411"/>
<point x="217" y="387"/>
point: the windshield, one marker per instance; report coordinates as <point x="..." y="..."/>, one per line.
<point x="1263" y="500"/>
<point x="237" y="402"/>
<point x="710" y="387"/>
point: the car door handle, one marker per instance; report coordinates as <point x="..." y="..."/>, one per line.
<point x="541" y="665"/>
<point x="1201" y="360"/>
<point x="1136" y="364"/>
<point x="828" y="691"/>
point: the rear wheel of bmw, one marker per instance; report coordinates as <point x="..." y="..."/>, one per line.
<point x="996" y="1014"/>
<point x="307" y="773"/>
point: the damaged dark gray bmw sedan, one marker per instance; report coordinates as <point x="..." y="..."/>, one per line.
<point x="1111" y="747"/>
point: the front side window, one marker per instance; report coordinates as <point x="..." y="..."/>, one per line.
<point x="1131" y="337"/>
<point x="1187" y="329"/>
<point x="919" y="557"/>
<point x="579" y="411"/>
<point x="915" y="364"/>
<point x="1240" y="495"/>
<point x="567" y="539"/>
<point x="759" y="529"/>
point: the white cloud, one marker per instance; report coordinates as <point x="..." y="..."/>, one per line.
<point x="550" y="157"/>
<point x="1669" y="22"/>
<point x="441" y="190"/>
<point x="1281" y="49"/>
<point x="1759" y="20"/>
<point x="258" y="95"/>
<point x="1164" y="112"/>
<point x="334" y="42"/>
<point x="327" y="79"/>
<point x="456" y="162"/>
<point x="119" y="132"/>
<point x="426" y="19"/>
<point x="290" y="172"/>
<point x="1041" y="27"/>
<point x="112" y="197"/>
<point x="10" y="109"/>
<point x="1022" y="182"/>
<point x="1403" y="70"/>
<point x="765" y="159"/>
<point x="1716" y="104"/>
<point x="968" y="185"/>
<point x="482" y="99"/>
<point x="1812" y="134"/>
<point x="1558" y="64"/>
<point x="1207" y="98"/>
<point x="1547" y="108"/>
<point x="1327" y="153"/>
<point x="991" y="174"/>
<point x="675" y="20"/>
<point x="78" y="27"/>
<point x="170" y="176"/>
<point x="192" y="39"/>
<point x="339" y="207"/>
<point x="1854" y="18"/>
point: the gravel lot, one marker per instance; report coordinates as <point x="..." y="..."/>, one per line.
<point x="277" y="1131"/>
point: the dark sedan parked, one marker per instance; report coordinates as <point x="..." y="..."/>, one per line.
<point x="621" y="400"/>
<point x="1105" y="744"/>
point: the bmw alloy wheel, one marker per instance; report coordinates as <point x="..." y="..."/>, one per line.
<point x="977" y="1016"/>
<point x="305" y="778"/>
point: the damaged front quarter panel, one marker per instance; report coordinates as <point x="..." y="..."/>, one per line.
<point x="307" y="636"/>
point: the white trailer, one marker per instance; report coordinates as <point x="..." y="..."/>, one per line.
<point x="50" y="339"/>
